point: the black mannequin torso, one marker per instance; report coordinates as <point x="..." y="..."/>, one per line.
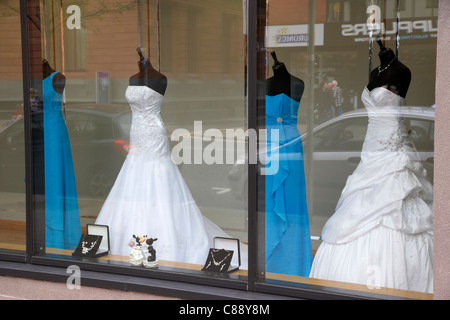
<point x="59" y="80"/>
<point x="149" y="77"/>
<point x="392" y="74"/>
<point x="283" y="82"/>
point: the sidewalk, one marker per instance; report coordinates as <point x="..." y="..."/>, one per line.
<point x="12" y="288"/>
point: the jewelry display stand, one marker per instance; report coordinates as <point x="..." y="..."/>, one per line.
<point x="95" y="243"/>
<point x="221" y="258"/>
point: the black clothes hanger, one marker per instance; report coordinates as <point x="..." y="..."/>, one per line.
<point x="391" y="74"/>
<point x="283" y="82"/>
<point x="59" y="80"/>
<point x="148" y="76"/>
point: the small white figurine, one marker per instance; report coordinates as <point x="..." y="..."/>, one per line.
<point x="137" y="256"/>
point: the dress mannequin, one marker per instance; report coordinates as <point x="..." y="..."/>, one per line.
<point x="148" y="76"/>
<point x="283" y="82"/>
<point x="391" y="74"/>
<point x="287" y="237"/>
<point x="59" y="80"/>
<point x="62" y="219"/>
<point x="382" y="229"/>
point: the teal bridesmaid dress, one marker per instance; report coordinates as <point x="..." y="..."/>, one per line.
<point x="62" y="219"/>
<point x="287" y="236"/>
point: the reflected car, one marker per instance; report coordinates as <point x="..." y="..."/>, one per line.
<point x="332" y="151"/>
<point x="336" y="152"/>
<point x="99" y="140"/>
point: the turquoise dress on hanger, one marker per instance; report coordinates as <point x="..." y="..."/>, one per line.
<point x="287" y="236"/>
<point x="62" y="219"/>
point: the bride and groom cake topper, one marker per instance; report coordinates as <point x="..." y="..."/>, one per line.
<point x="138" y="256"/>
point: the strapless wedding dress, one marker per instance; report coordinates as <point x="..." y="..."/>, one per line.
<point x="381" y="233"/>
<point x="150" y="196"/>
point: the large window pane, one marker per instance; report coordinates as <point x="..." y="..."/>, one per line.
<point x="360" y="146"/>
<point x="145" y="135"/>
<point x="12" y="141"/>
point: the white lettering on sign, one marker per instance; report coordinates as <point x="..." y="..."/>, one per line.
<point x="362" y="29"/>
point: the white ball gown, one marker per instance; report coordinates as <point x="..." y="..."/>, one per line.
<point x="381" y="233"/>
<point x="150" y="196"/>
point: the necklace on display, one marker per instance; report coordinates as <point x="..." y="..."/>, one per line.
<point x="389" y="64"/>
<point x="85" y="249"/>
<point x="218" y="263"/>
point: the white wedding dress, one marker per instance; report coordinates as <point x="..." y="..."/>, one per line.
<point x="381" y="233"/>
<point x="150" y="197"/>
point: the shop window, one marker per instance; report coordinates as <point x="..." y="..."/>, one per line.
<point x="12" y="132"/>
<point x="194" y="36"/>
<point x="75" y="49"/>
<point x="360" y="137"/>
<point x="432" y="4"/>
<point x="345" y="136"/>
<point x="105" y="163"/>
<point x="144" y="180"/>
<point x="167" y="34"/>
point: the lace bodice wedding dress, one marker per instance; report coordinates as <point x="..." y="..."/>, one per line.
<point x="381" y="233"/>
<point x="150" y="197"/>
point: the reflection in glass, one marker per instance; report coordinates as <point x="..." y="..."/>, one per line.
<point x="12" y="137"/>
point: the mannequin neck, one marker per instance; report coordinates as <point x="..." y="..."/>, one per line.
<point x="386" y="57"/>
<point x="279" y="70"/>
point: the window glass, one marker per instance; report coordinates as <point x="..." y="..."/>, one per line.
<point x="422" y="133"/>
<point x="347" y="135"/>
<point x="12" y="140"/>
<point x="334" y="79"/>
<point x="144" y="119"/>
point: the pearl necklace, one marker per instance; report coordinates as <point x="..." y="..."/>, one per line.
<point x="389" y="64"/>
